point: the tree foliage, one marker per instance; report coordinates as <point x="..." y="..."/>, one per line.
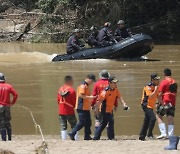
<point x="160" y="19"/>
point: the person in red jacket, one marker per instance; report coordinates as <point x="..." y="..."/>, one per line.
<point x="6" y="90"/>
<point x="99" y="86"/>
<point x="66" y="100"/>
<point x="167" y="94"/>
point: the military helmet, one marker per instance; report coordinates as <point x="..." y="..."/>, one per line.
<point x="104" y="74"/>
<point x="120" y="22"/>
<point x="2" y="77"/>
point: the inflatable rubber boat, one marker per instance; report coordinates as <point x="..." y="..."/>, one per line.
<point x="130" y="48"/>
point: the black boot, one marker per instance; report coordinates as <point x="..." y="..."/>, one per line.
<point x="9" y="132"/>
<point x="71" y="135"/>
<point x="3" y="135"/>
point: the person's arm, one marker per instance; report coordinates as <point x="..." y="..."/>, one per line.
<point x="116" y="105"/>
<point x="122" y="101"/>
<point x="110" y="35"/>
<point x="94" y="93"/>
<point x="119" y="97"/>
<point x="101" y="97"/>
<point x="161" y="91"/>
<point x="129" y="32"/>
<point x="152" y="94"/>
<point x="75" y="45"/>
<point x="160" y="101"/>
<point x="117" y="35"/>
<point x="73" y="98"/>
<point x="82" y="90"/>
<point x="58" y="97"/>
<point x="96" y="107"/>
<point x="87" y="97"/>
<point x="15" y="95"/>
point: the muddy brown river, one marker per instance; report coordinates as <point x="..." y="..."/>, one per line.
<point x="29" y="69"/>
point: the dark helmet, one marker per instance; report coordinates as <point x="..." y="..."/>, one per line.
<point x="107" y="24"/>
<point x="2" y="77"/>
<point x="104" y="74"/>
<point x="121" y="22"/>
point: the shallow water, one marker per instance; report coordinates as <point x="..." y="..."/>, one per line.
<point x="29" y="69"/>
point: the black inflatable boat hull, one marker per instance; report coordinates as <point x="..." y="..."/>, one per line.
<point x="134" y="47"/>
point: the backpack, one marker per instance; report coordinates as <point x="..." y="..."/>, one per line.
<point x="173" y="88"/>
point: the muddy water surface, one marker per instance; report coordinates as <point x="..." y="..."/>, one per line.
<point x="29" y="69"/>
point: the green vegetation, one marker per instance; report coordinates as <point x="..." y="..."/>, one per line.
<point x="160" y="19"/>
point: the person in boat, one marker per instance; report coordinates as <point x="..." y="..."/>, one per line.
<point x="121" y="32"/>
<point x="105" y="36"/>
<point x="74" y="44"/>
<point x="93" y="38"/>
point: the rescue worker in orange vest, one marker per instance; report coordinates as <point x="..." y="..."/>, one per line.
<point x="167" y="93"/>
<point x="149" y="99"/>
<point x="83" y="106"/>
<point x="99" y="86"/>
<point x="106" y="106"/>
<point x="6" y="90"/>
<point x="66" y="100"/>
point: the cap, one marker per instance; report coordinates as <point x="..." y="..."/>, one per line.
<point x="120" y="22"/>
<point x="92" y="77"/>
<point x="104" y="74"/>
<point x="112" y="79"/>
<point x="155" y="76"/>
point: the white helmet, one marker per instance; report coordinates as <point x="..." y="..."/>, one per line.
<point x="2" y="77"/>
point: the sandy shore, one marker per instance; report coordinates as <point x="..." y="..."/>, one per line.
<point x="27" y="144"/>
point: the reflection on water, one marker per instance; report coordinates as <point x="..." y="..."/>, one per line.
<point x="28" y="68"/>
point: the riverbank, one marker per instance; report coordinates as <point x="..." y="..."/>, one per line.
<point x="53" y="21"/>
<point x="28" y="144"/>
